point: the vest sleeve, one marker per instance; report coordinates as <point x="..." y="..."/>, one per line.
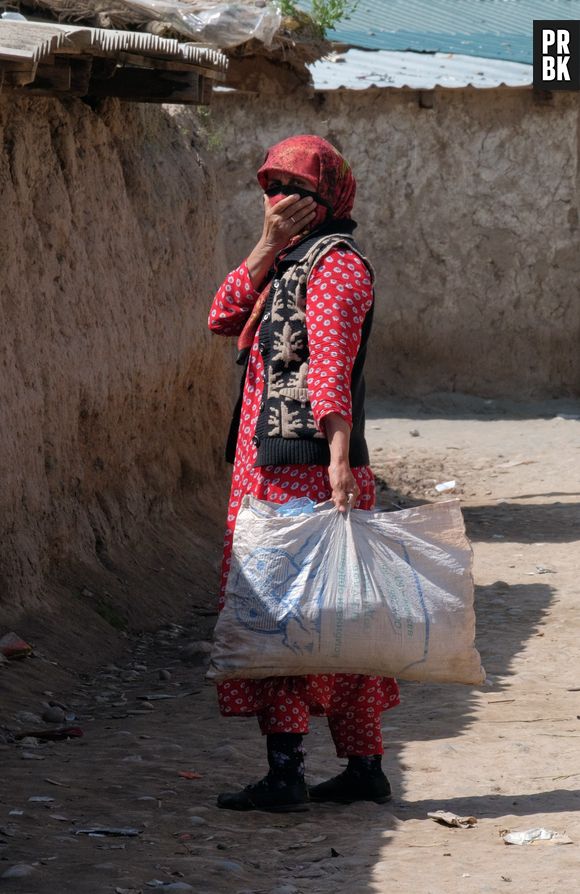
<point x="339" y="295"/>
<point x="233" y="302"/>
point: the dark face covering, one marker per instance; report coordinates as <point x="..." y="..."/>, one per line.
<point x="278" y="191"/>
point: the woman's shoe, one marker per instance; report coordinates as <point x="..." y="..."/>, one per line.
<point x="348" y="787"/>
<point x="264" y="795"/>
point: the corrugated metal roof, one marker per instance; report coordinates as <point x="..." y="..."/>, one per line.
<point x="495" y="29"/>
<point x="359" y="69"/>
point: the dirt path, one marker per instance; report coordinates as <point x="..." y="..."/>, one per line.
<point x="507" y="753"/>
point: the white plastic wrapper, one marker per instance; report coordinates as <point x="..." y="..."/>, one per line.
<point x="372" y="593"/>
<point x="221" y="25"/>
<point x="536" y="836"/>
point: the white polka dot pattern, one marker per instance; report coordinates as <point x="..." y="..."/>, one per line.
<point x="340" y="294"/>
<point x="233" y="303"/>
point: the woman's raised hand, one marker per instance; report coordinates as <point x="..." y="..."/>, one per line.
<point x="285" y="219"/>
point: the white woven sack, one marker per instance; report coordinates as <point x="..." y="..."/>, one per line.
<point x="388" y="593"/>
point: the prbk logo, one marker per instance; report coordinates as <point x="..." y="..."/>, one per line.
<point x="556" y="59"/>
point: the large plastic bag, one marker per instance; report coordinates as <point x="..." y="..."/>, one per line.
<point x="371" y="593"/>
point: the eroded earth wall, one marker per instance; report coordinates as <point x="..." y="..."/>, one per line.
<point x="115" y="396"/>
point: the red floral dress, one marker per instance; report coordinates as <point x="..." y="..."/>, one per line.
<point x="339" y="296"/>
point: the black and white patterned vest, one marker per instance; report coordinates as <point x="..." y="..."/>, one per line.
<point x="286" y="433"/>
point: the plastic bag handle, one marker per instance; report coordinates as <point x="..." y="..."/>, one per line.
<point x="348" y="506"/>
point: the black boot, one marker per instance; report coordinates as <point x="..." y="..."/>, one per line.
<point x="363" y="780"/>
<point x="283" y="790"/>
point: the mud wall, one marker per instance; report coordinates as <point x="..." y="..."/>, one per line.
<point x="112" y="416"/>
<point x="469" y="210"/>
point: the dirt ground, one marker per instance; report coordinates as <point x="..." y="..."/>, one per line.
<point x="505" y="753"/>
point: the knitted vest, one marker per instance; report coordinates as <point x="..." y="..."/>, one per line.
<point x="286" y="433"/>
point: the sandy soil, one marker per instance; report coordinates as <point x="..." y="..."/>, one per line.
<point x="505" y="753"/>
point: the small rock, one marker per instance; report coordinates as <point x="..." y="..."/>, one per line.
<point x="149" y="705"/>
<point x="28" y="718"/>
<point x="31" y="756"/>
<point x="415" y="433"/>
<point x="196" y="652"/>
<point x="41" y="799"/>
<point x="197" y="821"/>
<point x="164" y="674"/>
<point x="226" y="752"/>
<point x="86" y="592"/>
<point x="54" y="715"/>
<point x="29" y="742"/>
<point x="20" y="870"/>
<point x="228" y="866"/>
<point x="140" y="667"/>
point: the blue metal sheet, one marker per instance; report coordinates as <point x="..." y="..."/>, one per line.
<point x="496" y="29"/>
<point x="359" y="69"/>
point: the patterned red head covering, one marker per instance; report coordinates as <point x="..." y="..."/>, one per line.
<point x="316" y="160"/>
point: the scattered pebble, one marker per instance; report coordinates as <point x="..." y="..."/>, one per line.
<point x="197" y="821"/>
<point x="196" y="652"/>
<point x="20" y="870"/>
<point x="169" y="886"/>
<point x="228" y="866"/>
<point x="164" y="674"/>
<point x="29" y="742"/>
<point x="28" y="718"/>
<point x="54" y="715"/>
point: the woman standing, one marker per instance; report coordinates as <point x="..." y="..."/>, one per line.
<point x="301" y="306"/>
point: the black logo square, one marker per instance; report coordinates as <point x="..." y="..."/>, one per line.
<point x="556" y="54"/>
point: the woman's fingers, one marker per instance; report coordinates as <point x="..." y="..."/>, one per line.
<point x="285" y="205"/>
<point x="295" y="208"/>
<point x="343" y="484"/>
<point x="345" y="499"/>
<point x="287" y="218"/>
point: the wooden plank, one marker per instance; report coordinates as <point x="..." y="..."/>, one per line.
<point x="139" y="85"/>
<point x="135" y="61"/>
<point x="56" y="77"/>
<point x="17" y="74"/>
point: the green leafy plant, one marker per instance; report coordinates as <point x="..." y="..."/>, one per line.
<point x="324" y="13"/>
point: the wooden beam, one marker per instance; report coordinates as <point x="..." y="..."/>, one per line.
<point x="140" y="85"/>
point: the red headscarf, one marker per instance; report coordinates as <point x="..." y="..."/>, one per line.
<point x="316" y="160"/>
